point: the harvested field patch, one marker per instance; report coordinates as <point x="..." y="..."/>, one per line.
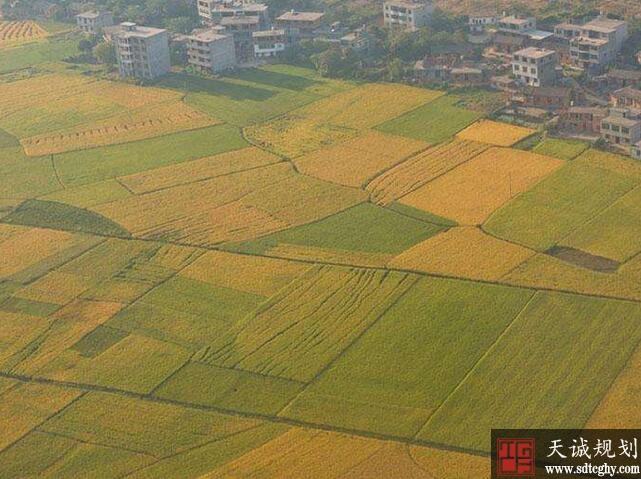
<point x="471" y="192"/>
<point x="307" y="324"/>
<point x="422" y="168"/>
<point x="495" y="133"/>
<point x="354" y="162"/>
<point x="435" y="122"/>
<point x="552" y="329"/>
<point x="368" y="105"/>
<point x="560" y="204"/>
<point x="20" y="31"/>
<point x="404" y="367"/>
<point x="463" y="251"/>
<point x="293" y="136"/>
<point x="251" y="274"/>
<point x="198" y="170"/>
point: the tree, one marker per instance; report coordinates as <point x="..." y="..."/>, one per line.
<point x="85" y="45"/>
<point x="105" y="53"/>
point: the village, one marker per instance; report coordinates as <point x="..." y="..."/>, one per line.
<point x="567" y="79"/>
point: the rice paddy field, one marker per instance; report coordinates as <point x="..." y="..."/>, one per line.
<point x="272" y="274"/>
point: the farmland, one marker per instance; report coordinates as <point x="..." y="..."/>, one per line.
<point x="270" y="273"/>
<point x="435" y="122"/>
<point x="559" y="204"/>
<point x="499" y="134"/>
<point x="481" y="185"/>
<point x="20" y="31"/>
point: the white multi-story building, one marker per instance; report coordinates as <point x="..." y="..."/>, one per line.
<point x="535" y="66"/>
<point x="513" y="24"/>
<point x="407" y="14"/>
<point x="212" y="12"/>
<point x="269" y="43"/>
<point x="142" y="52"/>
<point x="635" y="151"/>
<point x="93" y="22"/>
<point x="211" y="51"/>
<point x="478" y="23"/>
<point x="620" y="129"/>
<point x="598" y="44"/>
<point x="300" y="24"/>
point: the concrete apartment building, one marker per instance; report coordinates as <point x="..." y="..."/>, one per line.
<point x="407" y="14"/>
<point x="627" y="98"/>
<point x="92" y="23"/>
<point x="142" y="52"/>
<point x="477" y="23"/>
<point x="269" y="43"/>
<point x="535" y="66"/>
<point x="211" y="12"/>
<point x="597" y="45"/>
<point x="210" y="51"/>
<point x="299" y="24"/>
<point x="516" y="25"/>
<point x="583" y="119"/>
<point x="619" y="129"/>
<point x="241" y="29"/>
<point x="635" y="151"/>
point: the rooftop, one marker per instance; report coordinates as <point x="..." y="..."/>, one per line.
<point x="568" y="26"/>
<point x="206" y="36"/>
<point x="539" y="34"/>
<point x="268" y="33"/>
<point x="628" y="93"/>
<point x="533" y="52"/>
<point x="594" y="110"/>
<point x="129" y="29"/>
<point x="91" y="14"/>
<point x="604" y="25"/>
<point x="406" y="3"/>
<point x="515" y="20"/>
<point x="621" y="121"/>
<point x="239" y="21"/>
<point x="301" y="16"/>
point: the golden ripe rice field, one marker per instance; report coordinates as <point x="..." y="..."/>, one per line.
<point x="17" y="31"/>
<point x="495" y="133"/>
